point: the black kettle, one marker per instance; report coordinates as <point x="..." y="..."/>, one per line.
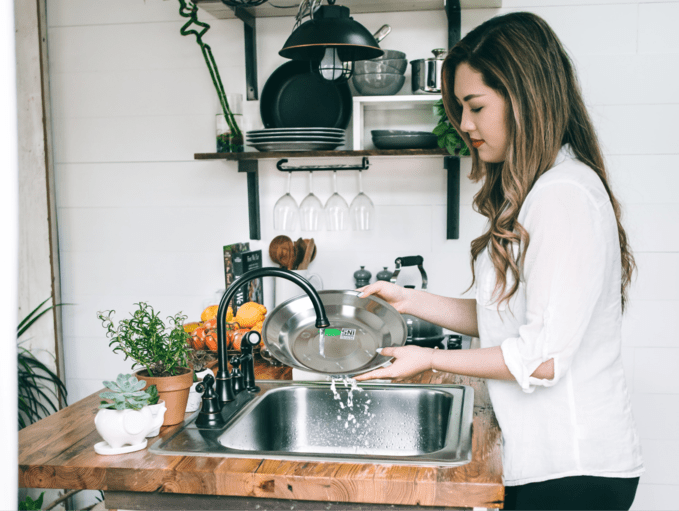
<point x="420" y="332"/>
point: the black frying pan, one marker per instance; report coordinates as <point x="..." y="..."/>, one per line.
<point x="294" y="97"/>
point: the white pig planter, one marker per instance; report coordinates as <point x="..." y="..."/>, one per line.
<point x="127" y="418"/>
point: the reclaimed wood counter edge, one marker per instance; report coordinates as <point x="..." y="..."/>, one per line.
<point x="57" y="452"/>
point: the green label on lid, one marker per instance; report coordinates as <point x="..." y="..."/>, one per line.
<point x="332" y="332"/>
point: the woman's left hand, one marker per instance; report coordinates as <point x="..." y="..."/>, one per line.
<point x="408" y="361"/>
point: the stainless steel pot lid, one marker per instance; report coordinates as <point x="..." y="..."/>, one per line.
<point x="358" y="326"/>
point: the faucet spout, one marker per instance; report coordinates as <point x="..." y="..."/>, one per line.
<point x="224" y="386"/>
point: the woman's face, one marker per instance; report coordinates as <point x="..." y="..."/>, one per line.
<point x="483" y="114"/>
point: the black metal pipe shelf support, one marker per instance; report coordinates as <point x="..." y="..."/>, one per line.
<point x="452" y="166"/>
<point x="452" y="163"/>
<point x="250" y="37"/>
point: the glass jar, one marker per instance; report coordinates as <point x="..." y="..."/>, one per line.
<point x="228" y="142"/>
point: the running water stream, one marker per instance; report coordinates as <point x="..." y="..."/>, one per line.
<point x="354" y="416"/>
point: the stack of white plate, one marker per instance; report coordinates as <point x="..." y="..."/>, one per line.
<point x="295" y="139"/>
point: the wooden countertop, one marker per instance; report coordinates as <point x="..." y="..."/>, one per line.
<point x="58" y="452"/>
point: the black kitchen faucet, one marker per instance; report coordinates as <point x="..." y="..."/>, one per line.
<point x="225" y="390"/>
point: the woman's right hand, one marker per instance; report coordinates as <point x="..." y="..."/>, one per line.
<point x="394" y="295"/>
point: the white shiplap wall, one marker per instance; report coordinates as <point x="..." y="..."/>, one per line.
<point x="140" y="219"/>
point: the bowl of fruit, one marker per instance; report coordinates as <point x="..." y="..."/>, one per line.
<point x="249" y="316"/>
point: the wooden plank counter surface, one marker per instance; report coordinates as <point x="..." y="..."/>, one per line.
<point x="58" y="452"/>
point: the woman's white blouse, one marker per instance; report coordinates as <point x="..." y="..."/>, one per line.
<point x="567" y="308"/>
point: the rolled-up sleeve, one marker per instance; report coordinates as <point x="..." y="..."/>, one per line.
<point x="563" y="274"/>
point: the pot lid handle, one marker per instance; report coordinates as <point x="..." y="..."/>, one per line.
<point x="439" y="53"/>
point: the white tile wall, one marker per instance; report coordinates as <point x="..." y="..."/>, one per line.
<point x="651" y="324"/>
<point x="655" y="371"/>
<point x="140" y="219"/>
<point x="657" y="28"/>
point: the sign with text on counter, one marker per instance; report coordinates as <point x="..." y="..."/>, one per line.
<point x="238" y="259"/>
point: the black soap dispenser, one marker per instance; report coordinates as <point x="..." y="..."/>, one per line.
<point x="362" y="277"/>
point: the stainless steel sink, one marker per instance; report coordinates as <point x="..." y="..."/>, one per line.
<point x="374" y="423"/>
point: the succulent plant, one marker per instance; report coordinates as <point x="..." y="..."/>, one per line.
<point x="126" y="394"/>
<point x="152" y="391"/>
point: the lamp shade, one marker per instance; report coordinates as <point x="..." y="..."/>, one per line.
<point x="331" y="27"/>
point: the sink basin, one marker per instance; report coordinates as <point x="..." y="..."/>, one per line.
<point x="316" y="421"/>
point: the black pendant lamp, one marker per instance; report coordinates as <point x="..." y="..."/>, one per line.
<point x="332" y="41"/>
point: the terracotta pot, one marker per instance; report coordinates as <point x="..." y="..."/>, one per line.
<point x="174" y="390"/>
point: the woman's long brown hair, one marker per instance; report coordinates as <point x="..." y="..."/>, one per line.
<point x="521" y="58"/>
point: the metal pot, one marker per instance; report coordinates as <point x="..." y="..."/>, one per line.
<point x="420" y="332"/>
<point x="426" y="74"/>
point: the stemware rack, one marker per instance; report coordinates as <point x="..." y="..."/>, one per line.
<point x="280" y="165"/>
<point x="249" y="163"/>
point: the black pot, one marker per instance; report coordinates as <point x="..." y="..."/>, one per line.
<point x="431" y="342"/>
<point x="451" y="341"/>
<point x="422" y="333"/>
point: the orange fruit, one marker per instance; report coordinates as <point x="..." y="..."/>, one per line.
<point x="209" y="313"/>
<point x="190" y="327"/>
<point x="238" y="337"/>
<point x="210" y="324"/>
<point x="250" y="313"/>
<point x="258" y="327"/>
<point x="211" y="341"/>
<point x="198" y="343"/>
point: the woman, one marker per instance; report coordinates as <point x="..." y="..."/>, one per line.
<point x="551" y="274"/>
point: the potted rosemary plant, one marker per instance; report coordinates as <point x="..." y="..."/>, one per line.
<point x="162" y="351"/>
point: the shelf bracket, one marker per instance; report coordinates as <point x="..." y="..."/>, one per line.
<point x="280" y="166"/>
<point x="454" y="15"/>
<point x="452" y="165"/>
<point x="250" y="36"/>
<point x="251" y="167"/>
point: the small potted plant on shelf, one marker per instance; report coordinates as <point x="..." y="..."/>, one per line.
<point x="127" y="415"/>
<point x="448" y="137"/>
<point x="162" y="351"/>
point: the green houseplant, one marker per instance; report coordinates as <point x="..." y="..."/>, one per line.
<point x="448" y="137"/>
<point x="232" y="140"/>
<point x="128" y="393"/>
<point x="162" y="351"/>
<point x="40" y="389"/>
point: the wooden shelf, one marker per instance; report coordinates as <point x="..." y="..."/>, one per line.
<point x="289" y="7"/>
<point x="248" y="161"/>
<point x="318" y="154"/>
